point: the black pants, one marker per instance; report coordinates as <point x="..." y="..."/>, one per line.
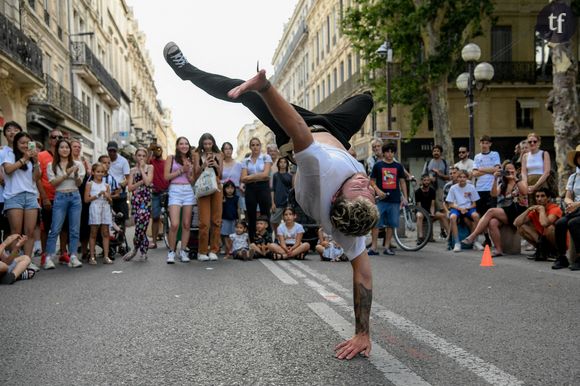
<point x="570" y="222"/>
<point x="342" y="122"/>
<point x="257" y="193"/>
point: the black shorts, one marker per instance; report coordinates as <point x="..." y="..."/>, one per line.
<point x="512" y="211"/>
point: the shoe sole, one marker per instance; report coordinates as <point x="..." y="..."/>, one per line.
<point x="170" y="262"/>
<point x="168" y="47"/>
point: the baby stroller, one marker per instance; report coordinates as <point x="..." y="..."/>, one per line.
<point x="308" y="223"/>
<point x="118" y="243"/>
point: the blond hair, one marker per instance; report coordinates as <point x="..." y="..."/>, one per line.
<point x="535" y="136"/>
<point x="354" y="217"/>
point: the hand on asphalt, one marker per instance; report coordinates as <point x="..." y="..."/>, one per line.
<point x="358" y="344"/>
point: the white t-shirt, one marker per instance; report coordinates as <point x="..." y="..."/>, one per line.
<point x="239" y="241"/>
<point x="232" y="173"/>
<point x="321" y="171"/>
<point x="463" y="197"/>
<point x="489" y="160"/>
<point x="289" y="234"/>
<point x="68" y="184"/>
<point x="466" y="164"/>
<point x="574" y="180"/>
<point x="2" y="156"/>
<point x="119" y="168"/>
<point x="20" y="180"/>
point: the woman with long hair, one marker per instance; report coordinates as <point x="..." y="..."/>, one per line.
<point x="179" y="173"/>
<point x="21" y="172"/>
<point x="256" y="176"/>
<point x="139" y="184"/>
<point x="511" y="193"/>
<point x="535" y="166"/>
<point x="208" y="155"/>
<point x="66" y="175"/>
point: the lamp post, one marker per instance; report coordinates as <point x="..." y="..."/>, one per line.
<point x="386" y="51"/>
<point x="474" y="78"/>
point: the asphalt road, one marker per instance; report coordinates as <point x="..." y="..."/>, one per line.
<point x="438" y="318"/>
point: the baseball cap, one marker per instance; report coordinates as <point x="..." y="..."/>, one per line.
<point x="112" y="145"/>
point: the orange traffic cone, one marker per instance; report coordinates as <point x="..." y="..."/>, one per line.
<point x="486" y="260"/>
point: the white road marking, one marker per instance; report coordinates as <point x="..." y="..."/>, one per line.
<point x="393" y="370"/>
<point x="491" y="373"/>
<point x="279" y="272"/>
<point x="292" y="270"/>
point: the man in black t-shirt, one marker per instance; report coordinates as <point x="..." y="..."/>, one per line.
<point x="426" y="197"/>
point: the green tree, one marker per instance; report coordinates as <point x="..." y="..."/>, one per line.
<point x="427" y="37"/>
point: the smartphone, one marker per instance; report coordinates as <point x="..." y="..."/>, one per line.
<point x="31" y="145"/>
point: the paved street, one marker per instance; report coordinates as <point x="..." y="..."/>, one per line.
<point x="438" y="318"/>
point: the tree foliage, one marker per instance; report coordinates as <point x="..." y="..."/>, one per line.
<point x="426" y="36"/>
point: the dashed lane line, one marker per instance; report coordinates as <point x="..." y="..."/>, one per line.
<point x="491" y="373"/>
<point x="279" y="272"/>
<point x="392" y="369"/>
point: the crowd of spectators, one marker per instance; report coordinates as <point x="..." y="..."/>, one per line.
<point x="56" y="196"/>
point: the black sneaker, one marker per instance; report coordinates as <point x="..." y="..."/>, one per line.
<point x="174" y="57"/>
<point x="561" y="262"/>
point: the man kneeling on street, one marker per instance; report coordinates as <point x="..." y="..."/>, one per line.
<point x="536" y="224"/>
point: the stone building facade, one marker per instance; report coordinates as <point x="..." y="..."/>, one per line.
<point x="316" y="67"/>
<point x="79" y="66"/>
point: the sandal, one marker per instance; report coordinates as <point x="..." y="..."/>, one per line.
<point x="27" y="274"/>
<point x="106" y="260"/>
<point x="92" y="260"/>
<point x="277" y="256"/>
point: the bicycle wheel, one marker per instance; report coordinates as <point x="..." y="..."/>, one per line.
<point x="166" y="225"/>
<point x="406" y="234"/>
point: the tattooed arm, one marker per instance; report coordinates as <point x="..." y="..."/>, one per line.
<point x="363" y="297"/>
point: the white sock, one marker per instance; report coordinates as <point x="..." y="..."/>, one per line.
<point x="37" y="246"/>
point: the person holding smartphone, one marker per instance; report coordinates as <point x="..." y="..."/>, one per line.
<point x="21" y="171"/>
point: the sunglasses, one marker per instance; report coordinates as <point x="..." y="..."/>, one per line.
<point x="532" y="141"/>
<point x="462" y="152"/>
<point x="56" y="137"/>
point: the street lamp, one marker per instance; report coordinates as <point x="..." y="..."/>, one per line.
<point x="386" y="51"/>
<point x="475" y="78"/>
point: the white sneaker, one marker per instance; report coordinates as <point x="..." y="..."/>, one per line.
<point x="183" y="256"/>
<point x="212" y="256"/>
<point x="74" y="262"/>
<point x="477" y="245"/>
<point x="457" y="248"/>
<point x="202" y="257"/>
<point x="170" y="257"/>
<point x="34" y="267"/>
<point x="48" y="264"/>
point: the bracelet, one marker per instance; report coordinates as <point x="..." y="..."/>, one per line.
<point x="266" y="87"/>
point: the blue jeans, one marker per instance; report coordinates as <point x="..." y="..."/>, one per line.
<point x="65" y="205"/>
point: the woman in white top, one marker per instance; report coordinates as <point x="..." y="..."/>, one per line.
<point x="21" y="171"/>
<point x="535" y="166"/>
<point x="256" y="176"/>
<point x="66" y="175"/>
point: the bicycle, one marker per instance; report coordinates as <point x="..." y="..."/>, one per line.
<point x="406" y="235"/>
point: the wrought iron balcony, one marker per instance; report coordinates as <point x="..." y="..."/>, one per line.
<point x="82" y="55"/>
<point x="19" y="47"/>
<point x="520" y="72"/>
<point x="300" y="33"/>
<point x="346" y="89"/>
<point x="61" y="98"/>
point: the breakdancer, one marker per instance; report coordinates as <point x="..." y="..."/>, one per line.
<point x="331" y="186"/>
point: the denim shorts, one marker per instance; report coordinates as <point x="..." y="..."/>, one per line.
<point x="181" y="195"/>
<point x="228" y="227"/>
<point x="388" y="214"/>
<point x="23" y="200"/>
<point x="459" y="215"/>
<point x="156" y="205"/>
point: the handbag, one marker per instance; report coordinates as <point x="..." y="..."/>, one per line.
<point x="206" y="184"/>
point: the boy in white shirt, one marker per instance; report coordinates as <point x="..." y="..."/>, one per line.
<point x="462" y="201"/>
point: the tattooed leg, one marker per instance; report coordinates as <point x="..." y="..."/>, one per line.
<point x="363" y="298"/>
